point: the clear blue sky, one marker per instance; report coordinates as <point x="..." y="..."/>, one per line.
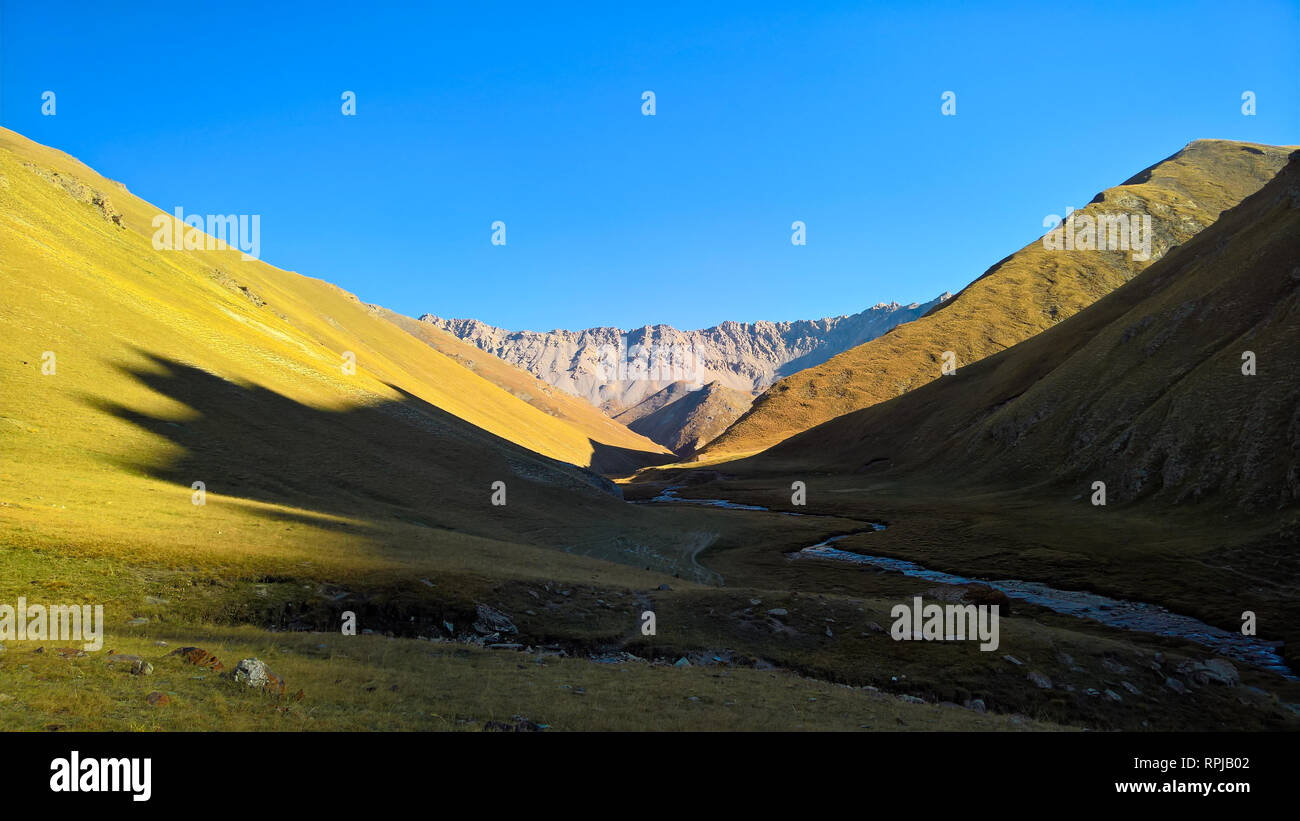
<point x="766" y="113"/>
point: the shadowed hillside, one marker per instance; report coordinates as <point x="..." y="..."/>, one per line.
<point x="1024" y="294"/>
<point x="621" y="451"/>
<point x="131" y="373"/>
<point x="85" y="283"/>
<point x="1143" y="390"/>
<point x="686" y="420"/>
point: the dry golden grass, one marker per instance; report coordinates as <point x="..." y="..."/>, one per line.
<point x="1022" y="295"/>
<point x="369" y="683"/>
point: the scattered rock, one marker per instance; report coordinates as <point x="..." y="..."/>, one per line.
<point x="911" y="699"/>
<point x="70" y="652"/>
<point x="157" y="699"/>
<point x="199" y="658"/>
<point x="661" y="587"/>
<point x="137" y="622"/>
<point x="1211" y="671"/>
<point x="1014" y="660"/>
<point x="778" y="611"/>
<point x="1176" y="685"/>
<point x="875" y="628"/>
<point x="1112" y="695"/>
<point x="490" y="621"/>
<point x="682" y="662"/>
<point x="1114" y="666"/>
<point x="1134" y="690"/>
<point x="1039" y="680"/>
<point x="137" y="665"/>
<point x="976" y="704"/>
<point x="829" y="634"/>
<point x="256" y="674"/>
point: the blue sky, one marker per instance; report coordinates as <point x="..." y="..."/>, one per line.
<point x="766" y="114"/>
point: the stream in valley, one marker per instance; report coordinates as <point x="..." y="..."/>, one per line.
<point x="1121" y="613"/>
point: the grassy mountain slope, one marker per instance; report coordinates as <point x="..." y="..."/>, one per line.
<point x="620" y="449"/>
<point x="1143" y="390"/>
<point x="1024" y="294"/>
<point x="251" y="321"/>
<point x="175" y="367"/>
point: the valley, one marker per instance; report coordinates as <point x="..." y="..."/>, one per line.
<point x="364" y="485"/>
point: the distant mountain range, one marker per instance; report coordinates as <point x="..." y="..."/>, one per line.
<point x="657" y="366"/>
<point x="743" y="356"/>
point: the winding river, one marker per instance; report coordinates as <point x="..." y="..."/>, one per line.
<point x="1121" y="613"/>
